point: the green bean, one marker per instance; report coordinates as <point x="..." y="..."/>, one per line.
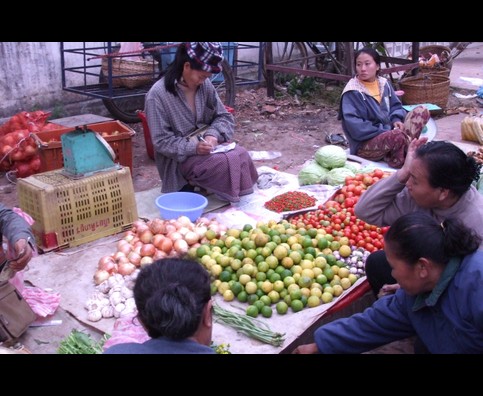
<point x="249" y="326"/>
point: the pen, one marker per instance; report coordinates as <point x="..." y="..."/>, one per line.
<point x="201" y="138"/>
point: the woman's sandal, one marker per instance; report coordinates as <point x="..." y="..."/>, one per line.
<point x="336" y="138"/>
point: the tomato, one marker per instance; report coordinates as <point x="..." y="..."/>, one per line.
<point x="378" y="173"/>
<point x="340" y="198"/>
<point x="358" y="190"/>
<point x="349" y="202"/>
<point x="378" y="244"/>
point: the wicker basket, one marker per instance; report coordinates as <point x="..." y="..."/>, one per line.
<point x="425" y="88"/>
<point x="130" y="73"/>
<point x="440" y="71"/>
<point x="441" y="50"/>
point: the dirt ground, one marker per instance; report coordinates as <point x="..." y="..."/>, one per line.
<point x="294" y="126"/>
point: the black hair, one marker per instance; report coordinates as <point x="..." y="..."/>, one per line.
<point x="369" y="51"/>
<point x="170" y="295"/>
<point x="415" y="235"/>
<point x="174" y="71"/>
<point x="448" y="166"/>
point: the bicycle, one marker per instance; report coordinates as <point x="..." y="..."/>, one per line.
<point x="124" y="104"/>
<point x="323" y="60"/>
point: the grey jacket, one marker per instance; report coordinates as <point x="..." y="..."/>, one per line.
<point x="170" y="120"/>
<point x="387" y="200"/>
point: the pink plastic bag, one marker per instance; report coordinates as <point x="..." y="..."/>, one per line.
<point x="131" y="47"/>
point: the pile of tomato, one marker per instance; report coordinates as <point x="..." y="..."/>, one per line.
<point x="337" y="216"/>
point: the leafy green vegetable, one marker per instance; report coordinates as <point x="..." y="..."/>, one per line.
<point x="337" y="176"/>
<point x="78" y="342"/>
<point x="331" y="156"/>
<point x="312" y="173"/>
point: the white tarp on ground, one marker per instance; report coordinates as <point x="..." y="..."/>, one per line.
<point x="70" y="272"/>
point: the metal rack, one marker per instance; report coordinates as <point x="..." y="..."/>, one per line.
<point x="87" y="66"/>
<point x="81" y="73"/>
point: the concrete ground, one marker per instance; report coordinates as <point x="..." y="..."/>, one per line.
<point x="466" y="74"/>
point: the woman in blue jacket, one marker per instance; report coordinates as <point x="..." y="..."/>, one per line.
<point x="373" y="119"/>
<point x="441" y="279"/>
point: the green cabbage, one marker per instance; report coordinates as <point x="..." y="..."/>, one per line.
<point x="312" y="173"/>
<point x="352" y="166"/>
<point x="367" y="169"/>
<point x="331" y="156"/>
<point x="337" y="176"/>
<point x="479" y="185"/>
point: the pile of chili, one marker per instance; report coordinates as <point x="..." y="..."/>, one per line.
<point x="289" y="201"/>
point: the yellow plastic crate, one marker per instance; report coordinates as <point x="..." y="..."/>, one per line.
<point x="71" y="212"/>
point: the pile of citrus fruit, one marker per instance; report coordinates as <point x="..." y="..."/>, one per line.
<point x="277" y="266"/>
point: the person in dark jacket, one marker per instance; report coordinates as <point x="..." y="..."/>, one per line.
<point x="438" y="266"/>
<point x="20" y="239"/>
<point x="373" y="118"/>
<point x="173" y="299"/>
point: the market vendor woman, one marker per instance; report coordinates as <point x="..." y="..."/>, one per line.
<point x="183" y="101"/>
<point x="373" y="118"/>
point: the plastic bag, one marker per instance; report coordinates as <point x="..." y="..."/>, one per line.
<point x="264" y="155"/>
<point x="132" y="47"/>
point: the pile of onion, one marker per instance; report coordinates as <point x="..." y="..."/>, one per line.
<point x="146" y="242"/>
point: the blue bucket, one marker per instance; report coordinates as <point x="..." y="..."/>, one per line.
<point x="176" y="204"/>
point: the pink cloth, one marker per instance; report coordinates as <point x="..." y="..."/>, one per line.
<point x="127" y="329"/>
<point x="42" y="302"/>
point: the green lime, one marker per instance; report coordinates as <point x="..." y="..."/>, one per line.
<point x="322" y="243"/>
<point x="261" y="276"/>
<point x="259" y="304"/>
<point x="266" y="311"/>
<point x="266" y="300"/>
<point x="252" y="311"/>
<point x="281" y="307"/>
<point x="297" y="305"/>
<point x="251" y="298"/>
<point x="225" y="276"/>
<point x="274" y="277"/>
<point x="242" y="296"/>
<point x="285" y="273"/>
<point x="247" y="227"/>
<point x="236" y="288"/>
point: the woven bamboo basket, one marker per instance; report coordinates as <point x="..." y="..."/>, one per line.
<point x="130" y="73"/>
<point x="441" y="50"/>
<point x="425" y="88"/>
<point x="441" y="71"/>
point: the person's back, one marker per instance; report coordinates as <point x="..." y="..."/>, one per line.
<point x="173" y="299"/>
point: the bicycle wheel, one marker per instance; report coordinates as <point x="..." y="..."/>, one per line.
<point x="225" y="84"/>
<point x="293" y="54"/>
<point x="125" y="109"/>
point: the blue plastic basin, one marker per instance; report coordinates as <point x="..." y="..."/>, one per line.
<point x="173" y="205"/>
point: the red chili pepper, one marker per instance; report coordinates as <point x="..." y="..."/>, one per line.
<point x="289" y="201"/>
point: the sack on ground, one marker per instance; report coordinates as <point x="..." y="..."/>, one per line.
<point x="15" y="314"/>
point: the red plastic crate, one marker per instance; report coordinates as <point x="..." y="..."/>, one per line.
<point x="51" y="156"/>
